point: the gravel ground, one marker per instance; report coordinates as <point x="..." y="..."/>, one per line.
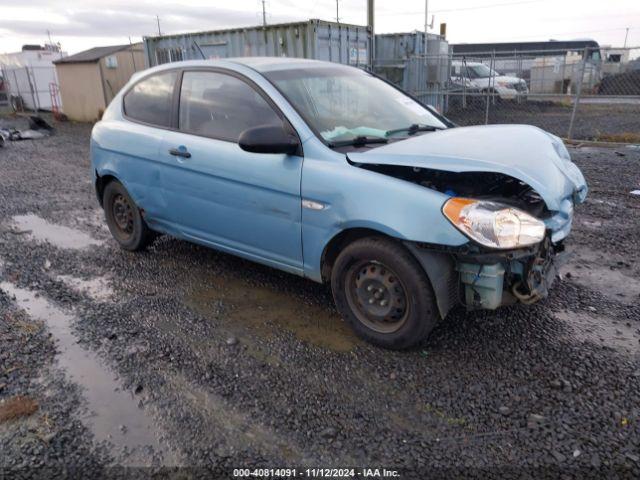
<point x="593" y="121"/>
<point x="184" y="357"/>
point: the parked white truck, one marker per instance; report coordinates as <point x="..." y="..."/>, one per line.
<point x="478" y="76"/>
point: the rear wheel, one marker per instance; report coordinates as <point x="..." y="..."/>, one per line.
<point x="124" y="219"/>
<point x="384" y="294"/>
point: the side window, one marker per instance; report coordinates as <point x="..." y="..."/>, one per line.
<point x="221" y="106"/>
<point x="150" y="100"/>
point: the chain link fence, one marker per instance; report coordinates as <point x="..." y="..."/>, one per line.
<point x="27" y="87"/>
<point x="590" y="94"/>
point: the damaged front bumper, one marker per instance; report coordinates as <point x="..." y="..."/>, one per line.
<point x="480" y="279"/>
<point x="490" y="280"/>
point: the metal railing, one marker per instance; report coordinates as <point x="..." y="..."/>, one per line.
<point x="27" y="87"/>
<point x="589" y="94"/>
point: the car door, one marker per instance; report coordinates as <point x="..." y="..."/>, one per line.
<point x="218" y="194"/>
<point x="131" y="146"/>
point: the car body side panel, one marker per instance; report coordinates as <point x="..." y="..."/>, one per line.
<point x="356" y="198"/>
<point x="137" y="169"/>
<point x="224" y="195"/>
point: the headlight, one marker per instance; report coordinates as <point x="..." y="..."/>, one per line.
<point x="493" y="224"/>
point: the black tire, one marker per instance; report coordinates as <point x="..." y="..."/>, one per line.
<point x="124" y="219"/>
<point x="385" y="267"/>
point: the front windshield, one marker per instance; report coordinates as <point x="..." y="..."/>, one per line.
<point x="346" y="103"/>
<point x="482" y="71"/>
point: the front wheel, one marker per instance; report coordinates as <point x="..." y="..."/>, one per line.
<point x="384" y="294"/>
<point x="124" y="219"/>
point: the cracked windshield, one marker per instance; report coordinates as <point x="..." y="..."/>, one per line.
<point x="344" y="104"/>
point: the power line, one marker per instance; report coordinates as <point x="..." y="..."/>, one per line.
<point x="477" y="7"/>
<point x="493" y="5"/>
<point x="567" y="33"/>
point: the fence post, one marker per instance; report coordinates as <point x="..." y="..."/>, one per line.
<point x="37" y="105"/>
<point x="19" y="100"/>
<point x="33" y="98"/>
<point x="578" y="92"/>
<point x="492" y="82"/>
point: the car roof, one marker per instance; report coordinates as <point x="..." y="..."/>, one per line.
<point x="265" y="64"/>
<point x="260" y="64"/>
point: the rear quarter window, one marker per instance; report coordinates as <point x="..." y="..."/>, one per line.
<point x="150" y="100"/>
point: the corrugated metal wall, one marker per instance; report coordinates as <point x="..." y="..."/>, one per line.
<point x="400" y="58"/>
<point x="314" y="39"/>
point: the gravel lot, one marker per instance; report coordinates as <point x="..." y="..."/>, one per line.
<point x="184" y="357"/>
<point x="594" y="121"/>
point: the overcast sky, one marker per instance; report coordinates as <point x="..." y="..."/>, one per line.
<point x="84" y="24"/>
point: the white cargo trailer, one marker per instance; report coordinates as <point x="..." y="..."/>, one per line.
<point x="28" y="75"/>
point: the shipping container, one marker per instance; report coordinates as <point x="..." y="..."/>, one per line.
<point x="401" y="59"/>
<point x="313" y="39"/>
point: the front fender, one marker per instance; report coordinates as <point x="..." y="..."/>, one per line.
<point x="353" y="197"/>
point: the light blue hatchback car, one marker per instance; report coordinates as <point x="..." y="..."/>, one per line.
<point x="331" y="173"/>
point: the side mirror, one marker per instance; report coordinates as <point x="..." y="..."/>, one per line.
<point x="268" y="139"/>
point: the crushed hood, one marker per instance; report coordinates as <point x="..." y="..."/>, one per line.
<point x="524" y="152"/>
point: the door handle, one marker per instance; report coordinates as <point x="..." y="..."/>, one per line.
<point x="180" y="152"/>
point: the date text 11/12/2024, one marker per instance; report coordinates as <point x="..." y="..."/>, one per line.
<point x="315" y="473"/>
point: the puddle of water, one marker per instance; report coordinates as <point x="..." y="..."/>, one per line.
<point x="110" y="406"/>
<point x="601" y="331"/>
<point x="97" y="288"/>
<point x="64" y="237"/>
<point x="261" y="309"/>
<point x="587" y="270"/>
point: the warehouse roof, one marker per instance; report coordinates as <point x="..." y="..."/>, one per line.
<point x="92" y="55"/>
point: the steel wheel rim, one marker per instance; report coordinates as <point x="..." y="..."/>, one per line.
<point x="122" y="215"/>
<point x="377" y="296"/>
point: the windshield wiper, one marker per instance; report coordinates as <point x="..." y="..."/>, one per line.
<point x="359" y="141"/>
<point x="413" y="129"/>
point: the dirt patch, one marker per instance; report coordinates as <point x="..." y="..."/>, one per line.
<point x="97" y="288"/>
<point x="258" y="309"/>
<point x="608" y="275"/>
<point x="17" y="407"/>
<point x="602" y="331"/>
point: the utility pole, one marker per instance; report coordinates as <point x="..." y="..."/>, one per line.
<point x="133" y="57"/>
<point x="264" y="13"/>
<point x="158" y="22"/>
<point x="426" y="24"/>
<point x="370" y="25"/>
<point x="625" y="38"/>
<point x="338" y="11"/>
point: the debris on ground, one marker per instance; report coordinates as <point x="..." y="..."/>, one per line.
<point x="38" y="128"/>
<point x="17" y="407"/>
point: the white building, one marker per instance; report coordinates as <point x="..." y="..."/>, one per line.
<point x="29" y="73"/>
